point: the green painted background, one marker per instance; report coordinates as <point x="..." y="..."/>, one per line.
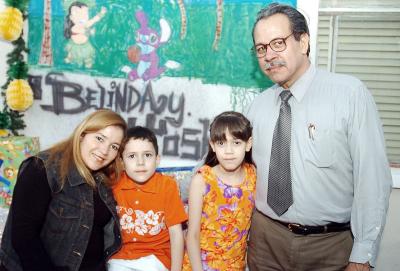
<point x="232" y="64"/>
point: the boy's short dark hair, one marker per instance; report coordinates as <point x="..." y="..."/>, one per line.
<point x="140" y="132"/>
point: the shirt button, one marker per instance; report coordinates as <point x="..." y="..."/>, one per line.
<point x="134" y="239"/>
<point x="137" y="202"/>
<point x="369" y="255"/>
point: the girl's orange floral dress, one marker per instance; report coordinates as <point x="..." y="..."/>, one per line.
<point x="225" y="221"/>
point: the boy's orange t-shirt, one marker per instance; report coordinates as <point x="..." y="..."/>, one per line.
<point x="145" y="212"/>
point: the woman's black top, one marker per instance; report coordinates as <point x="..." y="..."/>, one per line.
<point x="29" y="213"/>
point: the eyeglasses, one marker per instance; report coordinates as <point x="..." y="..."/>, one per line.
<point x="276" y="45"/>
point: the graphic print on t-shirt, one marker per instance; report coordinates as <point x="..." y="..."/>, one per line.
<point x="141" y="222"/>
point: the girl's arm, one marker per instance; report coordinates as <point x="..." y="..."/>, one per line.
<point x="176" y="240"/>
<point x="197" y="188"/>
<point x="96" y="18"/>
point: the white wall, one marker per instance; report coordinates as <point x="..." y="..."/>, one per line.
<point x="310" y="11"/>
<point x="182" y="120"/>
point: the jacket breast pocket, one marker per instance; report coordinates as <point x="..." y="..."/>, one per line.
<point x="66" y="208"/>
<point x="320" y="149"/>
<point x="62" y="215"/>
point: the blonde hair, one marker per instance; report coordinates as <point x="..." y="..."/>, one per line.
<point x="67" y="153"/>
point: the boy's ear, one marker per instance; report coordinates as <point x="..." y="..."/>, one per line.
<point x="157" y="160"/>
<point x="249" y="144"/>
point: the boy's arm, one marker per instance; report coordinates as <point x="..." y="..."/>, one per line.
<point x="176" y="240"/>
<point x="197" y="188"/>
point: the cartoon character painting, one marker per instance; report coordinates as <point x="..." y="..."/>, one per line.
<point x="9" y="173"/>
<point x="77" y="28"/>
<point x="28" y="150"/>
<point x="13" y="151"/>
<point x="5" y="185"/>
<point x="144" y="52"/>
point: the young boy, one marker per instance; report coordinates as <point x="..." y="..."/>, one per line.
<point x="149" y="208"/>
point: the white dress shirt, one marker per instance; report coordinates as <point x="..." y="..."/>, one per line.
<point x="339" y="167"/>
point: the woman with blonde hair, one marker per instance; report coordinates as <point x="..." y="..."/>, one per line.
<point x="63" y="215"/>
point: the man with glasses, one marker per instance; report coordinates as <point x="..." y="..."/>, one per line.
<point x="323" y="178"/>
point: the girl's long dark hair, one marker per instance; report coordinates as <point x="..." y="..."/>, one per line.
<point x="238" y="125"/>
<point x="68" y="24"/>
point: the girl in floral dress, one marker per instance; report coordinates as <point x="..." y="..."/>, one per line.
<point x="221" y="198"/>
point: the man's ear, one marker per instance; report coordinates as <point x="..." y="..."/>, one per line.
<point x="249" y="144"/>
<point x="304" y="42"/>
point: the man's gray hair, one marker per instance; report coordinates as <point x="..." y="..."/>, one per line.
<point x="297" y="20"/>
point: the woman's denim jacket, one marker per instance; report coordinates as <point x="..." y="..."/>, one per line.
<point x="69" y="221"/>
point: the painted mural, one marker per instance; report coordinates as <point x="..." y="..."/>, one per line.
<point x="170" y="65"/>
<point x="210" y="40"/>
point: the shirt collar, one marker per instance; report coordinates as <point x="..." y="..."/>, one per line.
<point x="299" y="88"/>
<point x="74" y="177"/>
<point x="150" y="186"/>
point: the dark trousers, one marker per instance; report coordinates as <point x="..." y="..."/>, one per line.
<point x="273" y="247"/>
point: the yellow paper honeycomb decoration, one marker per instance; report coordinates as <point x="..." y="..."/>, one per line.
<point x="11" y="24"/>
<point x="19" y="95"/>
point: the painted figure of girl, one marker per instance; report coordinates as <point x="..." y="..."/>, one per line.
<point x="77" y="28"/>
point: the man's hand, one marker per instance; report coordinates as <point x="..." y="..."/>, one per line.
<point x="358" y="267"/>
